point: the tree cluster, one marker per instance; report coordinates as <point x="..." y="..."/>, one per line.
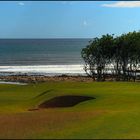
<point x="114" y="57"/>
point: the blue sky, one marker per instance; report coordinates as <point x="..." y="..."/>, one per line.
<point x="67" y="19"/>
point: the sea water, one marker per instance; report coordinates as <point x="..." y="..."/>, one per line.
<point x="42" y="56"/>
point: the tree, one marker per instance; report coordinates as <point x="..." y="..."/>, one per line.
<point x="97" y="55"/>
<point x="88" y="54"/>
<point x="121" y="52"/>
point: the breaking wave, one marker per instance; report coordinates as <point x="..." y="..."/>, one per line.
<point x="48" y="70"/>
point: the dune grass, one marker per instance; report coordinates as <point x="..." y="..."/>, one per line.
<point x="115" y="113"/>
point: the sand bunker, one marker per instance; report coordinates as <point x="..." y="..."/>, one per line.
<point x="64" y="101"/>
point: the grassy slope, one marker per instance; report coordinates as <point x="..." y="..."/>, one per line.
<point x="115" y="113"/>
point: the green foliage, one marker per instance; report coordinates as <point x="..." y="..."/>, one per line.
<point x="123" y="53"/>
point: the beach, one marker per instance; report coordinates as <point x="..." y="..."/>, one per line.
<point x="41" y="78"/>
<point x="38" y="59"/>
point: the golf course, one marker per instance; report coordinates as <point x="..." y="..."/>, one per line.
<point x="95" y="110"/>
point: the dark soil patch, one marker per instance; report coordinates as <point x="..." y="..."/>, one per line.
<point x="64" y="101"/>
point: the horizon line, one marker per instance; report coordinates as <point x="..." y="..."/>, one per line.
<point x="51" y="38"/>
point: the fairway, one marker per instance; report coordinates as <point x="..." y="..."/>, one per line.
<point x="113" y="110"/>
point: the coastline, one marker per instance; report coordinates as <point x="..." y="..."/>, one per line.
<point x="42" y="78"/>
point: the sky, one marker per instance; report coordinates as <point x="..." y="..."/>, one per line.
<point x="67" y="19"/>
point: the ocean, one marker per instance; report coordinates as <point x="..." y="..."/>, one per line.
<point x="41" y="56"/>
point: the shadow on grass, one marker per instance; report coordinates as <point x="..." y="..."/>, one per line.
<point x="64" y="101"/>
<point x="43" y="93"/>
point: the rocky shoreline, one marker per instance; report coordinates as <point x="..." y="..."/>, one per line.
<point x="37" y="78"/>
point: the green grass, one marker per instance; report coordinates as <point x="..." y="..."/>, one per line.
<point x="115" y="113"/>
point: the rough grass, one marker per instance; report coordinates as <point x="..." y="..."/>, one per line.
<point x="115" y="113"/>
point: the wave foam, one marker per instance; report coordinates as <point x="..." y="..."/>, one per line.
<point x="44" y="69"/>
